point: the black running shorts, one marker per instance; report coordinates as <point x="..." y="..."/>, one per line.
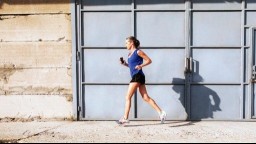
<point x="139" y="78"/>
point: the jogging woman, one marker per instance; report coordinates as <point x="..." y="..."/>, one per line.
<point x="135" y="63"/>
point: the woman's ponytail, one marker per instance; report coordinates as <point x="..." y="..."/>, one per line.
<point x="137" y="43"/>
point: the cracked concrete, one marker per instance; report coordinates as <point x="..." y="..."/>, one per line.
<point x="8" y="141"/>
<point x="7" y="71"/>
<point x="6" y="17"/>
<point x="5" y="74"/>
<point x="19" y="107"/>
<point x="27" y="132"/>
<point x="135" y="132"/>
<point x="34" y="6"/>
<point x="36" y="54"/>
<point x="32" y="28"/>
<point x="35" y="60"/>
<point x="61" y="39"/>
<point x="36" y="91"/>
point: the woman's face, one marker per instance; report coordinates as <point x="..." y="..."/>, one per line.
<point x="128" y="44"/>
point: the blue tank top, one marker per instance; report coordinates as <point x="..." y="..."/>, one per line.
<point x="133" y="61"/>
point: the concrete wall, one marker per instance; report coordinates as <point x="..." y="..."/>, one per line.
<point x="35" y="59"/>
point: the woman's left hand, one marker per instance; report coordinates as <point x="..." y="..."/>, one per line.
<point x="138" y="67"/>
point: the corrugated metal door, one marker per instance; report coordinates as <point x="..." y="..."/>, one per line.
<point x="104" y="25"/>
<point x="209" y="40"/>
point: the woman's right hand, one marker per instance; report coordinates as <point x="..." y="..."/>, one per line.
<point x="123" y="62"/>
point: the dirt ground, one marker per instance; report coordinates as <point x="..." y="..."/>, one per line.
<point x="135" y="132"/>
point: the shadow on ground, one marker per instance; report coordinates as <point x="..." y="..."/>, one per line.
<point x="172" y="124"/>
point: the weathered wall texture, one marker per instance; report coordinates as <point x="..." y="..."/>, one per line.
<point x="35" y="59"/>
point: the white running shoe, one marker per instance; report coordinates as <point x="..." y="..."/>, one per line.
<point x="162" y="116"/>
<point x="123" y="121"/>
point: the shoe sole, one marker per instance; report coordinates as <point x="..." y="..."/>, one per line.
<point x="121" y="124"/>
<point x="163" y="119"/>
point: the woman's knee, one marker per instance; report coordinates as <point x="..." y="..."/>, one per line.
<point x="146" y="98"/>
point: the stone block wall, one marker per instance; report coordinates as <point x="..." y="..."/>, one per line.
<point x="35" y="59"/>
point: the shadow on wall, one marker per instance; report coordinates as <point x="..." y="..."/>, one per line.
<point x="204" y="101"/>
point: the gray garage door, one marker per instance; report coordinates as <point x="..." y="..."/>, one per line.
<point x="254" y="72"/>
<point x="202" y="52"/>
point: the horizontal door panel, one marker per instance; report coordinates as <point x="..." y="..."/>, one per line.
<point x="216" y="29"/>
<point x="220" y="102"/>
<point x="217" y="4"/>
<point x="217" y="65"/>
<point x="161" y="29"/>
<point x="106" y="29"/>
<point x="103" y="66"/>
<point x="169" y="98"/>
<point x="105" y="102"/>
<point x="167" y="64"/>
<point x="160" y="4"/>
<point x="106" y="4"/>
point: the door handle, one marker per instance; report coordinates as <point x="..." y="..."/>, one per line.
<point x="188" y="65"/>
<point x="253" y="80"/>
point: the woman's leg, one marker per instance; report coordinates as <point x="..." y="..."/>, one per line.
<point x="145" y="96"/>
<point x="131" y="90"/>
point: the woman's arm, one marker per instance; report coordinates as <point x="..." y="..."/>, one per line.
<point x="145" y="57"/>
<point x="125" y="64"/>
